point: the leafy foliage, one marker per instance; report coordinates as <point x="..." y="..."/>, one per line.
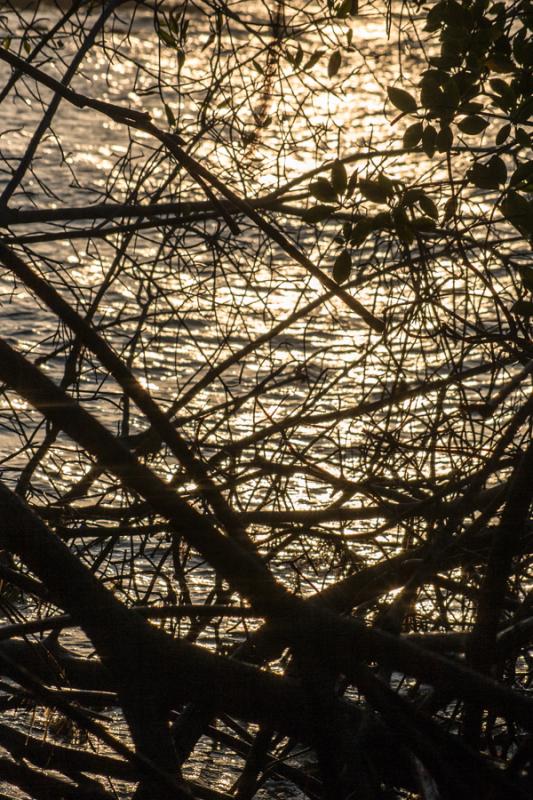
<point x="269" y="358"/>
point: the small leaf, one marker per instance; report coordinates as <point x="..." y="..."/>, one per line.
<point x="523" y="175"/>
<point x="382" y="221"/>
<point x="313" y="59"/>
<point x="523" y="307"/>
<point x="429" y="140"/>
<point x="402" y="225"/>
<point x="166" y="37"/>
<point x="471" y="107"/>
<point x="479" y="176"/>
<point x="428" y="206"/>
<point x="323" y="191"/>
<point x="339" y="177"/>
<point x="361" y="230"/>
<point x="502" y="134"/>
<point x="173" y="23"/>
<point x="434" y="17"/>
<point x="499" y="86"/>
<point x="352" y="183"/>
<point x="411" y="196"/>
<point x="431" y="95"/>
<point x="402" y="99"/>
<point x="517" y="210"/>
<point x="413" y="135"/>
<point x="452" y="93"/>
<point x="521" y="50"/>
<point x="342" y="267"/>
<point x="374" y="191"/>
<point x="334" y="63"/>
<point x="387" y="184"/>
<point x="345" y="9"/>
<point x="472" y="125"/>
<point x="317" y="213"/>
<point x="209" y="41"/>
<point x="490" y="175"/>
<point x="526" y="273"/>
<point x="499" y="63"/>
<point x="171" y="119"/>
<point x="424" y="224"/>
<point x="498" y="169"/>
<point x="444" y="139"/>
<point x="450" y="207"/>
<point x="505" y="97"/>
<point x="523" y="138"/>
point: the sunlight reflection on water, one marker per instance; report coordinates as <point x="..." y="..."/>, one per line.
<point x="205" y="312"/>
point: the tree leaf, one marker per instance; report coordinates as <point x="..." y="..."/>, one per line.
<point x="434" y="17"/>
<point x="402" y="226"/>
<point x="375" y="191"/>
<point x="499" y="63"/>
<point x="526" y="273"/>
<point x="323" y="191"/>
<point x="424" y="224"/>
<point x="317" y="213"/>
<point x="334" y="63"/>
<point x="523" y="138"/>
<point x="502" y="134"/>
<point x="171" y="119"/>
<point x="500" y="86"/>
<point x="339" y="177"/>
<point x="444" y="139"/>
<point x="498" y="169"/>
<point x="313" y="59"/>
<point x="402" y="99"/>
<point x="429" y="140"/>
<point x="166" y="37"/>
<point x="352" y="183"/>
<point x="523" y="175"/>
<point x="347" y="8"/>
<point x="523" y="307"/>
<point x="450" y="207"/>
<point x="472" y="125"/>
<point x="342" y="267"/>
<point x="490" y="175"/>
<point x="428" y="206"/>
<point x="413" y="135"/>
<point x="347" y="230"/>
<point x="431" y="95"/>
<point x="517" y="210"/>
<point x="360" y="230"/>
<point x="411" y="196"/>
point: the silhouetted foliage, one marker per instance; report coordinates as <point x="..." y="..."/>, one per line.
<point x="266" y="406"/>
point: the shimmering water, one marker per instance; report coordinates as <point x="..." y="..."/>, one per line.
<point x="177" y="297"/>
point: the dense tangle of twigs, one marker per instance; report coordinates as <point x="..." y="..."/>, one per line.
<point x="261" y="533"/>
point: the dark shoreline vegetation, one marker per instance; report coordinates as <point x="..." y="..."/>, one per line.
<point x="266" y="363"/>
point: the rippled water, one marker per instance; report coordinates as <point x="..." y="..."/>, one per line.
<point x="183" y="298"/>
<point x="207" y="309"/>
